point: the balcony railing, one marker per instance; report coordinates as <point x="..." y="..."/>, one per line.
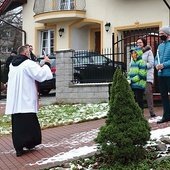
<point x="41" y="6"/>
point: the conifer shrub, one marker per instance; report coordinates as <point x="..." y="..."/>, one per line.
<point x="126" y="130"/>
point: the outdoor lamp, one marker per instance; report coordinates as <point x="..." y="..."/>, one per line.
<point x="61" y="30"/>
<point x="107" y="26"/>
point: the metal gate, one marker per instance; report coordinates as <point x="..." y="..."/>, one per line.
<point x="126" y="40"/>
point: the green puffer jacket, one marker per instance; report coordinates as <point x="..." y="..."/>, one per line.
<point x="137" y="73"/>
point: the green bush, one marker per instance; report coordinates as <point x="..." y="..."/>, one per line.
<point x="126" y="131"/>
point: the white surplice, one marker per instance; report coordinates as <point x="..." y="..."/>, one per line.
<point x="22" y="90"/>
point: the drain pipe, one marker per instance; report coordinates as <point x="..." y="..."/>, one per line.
<point x="166" y="3"/>
<point x="16" y="28"/>
<point x="24" y="43"/>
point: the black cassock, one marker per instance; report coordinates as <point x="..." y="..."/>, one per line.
<point x="26" y="131"/>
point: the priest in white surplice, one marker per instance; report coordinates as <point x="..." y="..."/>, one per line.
<point x="22" y="99"/>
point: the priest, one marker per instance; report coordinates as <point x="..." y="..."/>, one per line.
<point x="22" y="99"/>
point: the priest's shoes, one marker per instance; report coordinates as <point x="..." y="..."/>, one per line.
<point x="20" y="152"/>
<point x="30" y="147"/>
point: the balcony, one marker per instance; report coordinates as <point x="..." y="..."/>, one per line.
<point x="48" y="11"/>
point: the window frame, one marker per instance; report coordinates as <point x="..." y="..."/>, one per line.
<point x="47" y="43"/>
<point x="66" y="4"/>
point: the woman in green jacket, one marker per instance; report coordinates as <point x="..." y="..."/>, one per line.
<point x="137" y="75"/>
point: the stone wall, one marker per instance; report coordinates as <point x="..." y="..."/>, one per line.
<point x="67" y="92"/>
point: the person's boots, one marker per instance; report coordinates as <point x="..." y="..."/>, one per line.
<point x="152" y="114"/>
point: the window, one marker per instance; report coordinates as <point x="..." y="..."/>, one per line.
<point x="47" y="42"/>
<point x="66" y="4"/>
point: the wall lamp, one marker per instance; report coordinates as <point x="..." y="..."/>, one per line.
<point x="60" y="31"/>
<point x="107" y="26"/>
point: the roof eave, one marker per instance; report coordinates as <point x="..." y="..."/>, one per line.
<point x="9" y="5"/>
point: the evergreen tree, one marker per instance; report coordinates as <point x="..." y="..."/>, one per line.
<point x="126" y="132"/>
<point x="112" y="94"/>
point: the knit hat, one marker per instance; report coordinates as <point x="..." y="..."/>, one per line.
<point x="137" y="50"/>
<point x="165" y="29"/>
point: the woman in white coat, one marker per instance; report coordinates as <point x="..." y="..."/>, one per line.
<point x="22" y="99"/>
<point x="149" y="58"/>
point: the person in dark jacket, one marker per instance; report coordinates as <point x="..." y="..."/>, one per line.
<point x="3" y="87"/>
<point x="10" y="58"/>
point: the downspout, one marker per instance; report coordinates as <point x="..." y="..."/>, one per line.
<point x="5" y="4"/>
<point x="24" y="43"/>
<point x="16" y="28"/>
<point x="166" y="3"/>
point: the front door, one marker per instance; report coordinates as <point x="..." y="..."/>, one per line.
<point x="97" y="42"/>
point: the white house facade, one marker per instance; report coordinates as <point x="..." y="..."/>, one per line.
<point x="55" y="25"/>
<point x="83" y="22"/>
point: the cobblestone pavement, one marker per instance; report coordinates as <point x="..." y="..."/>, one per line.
<point x="57" y="142"/>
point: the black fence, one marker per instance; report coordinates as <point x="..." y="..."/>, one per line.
<point x="91" y="67"/>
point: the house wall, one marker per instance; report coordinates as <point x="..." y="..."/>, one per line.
<point x="123" y="14"/>
<point x="28" y="22"/>
<point x="127" y="12"/>
<point x="79" y="39"/>
<point x="79" y="34"/>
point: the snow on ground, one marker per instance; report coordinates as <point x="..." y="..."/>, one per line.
<point x="86" y="137"/>
<point x="155" y="119"/>
<point x="157" y="134"/>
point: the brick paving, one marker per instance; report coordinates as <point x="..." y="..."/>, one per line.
<point x="56" y="141"/>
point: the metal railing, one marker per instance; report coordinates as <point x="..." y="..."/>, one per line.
<point x="92" y="67"/>
<point x="41" y="6"/>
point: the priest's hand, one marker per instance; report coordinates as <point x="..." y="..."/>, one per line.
<point x="46" y="59"/>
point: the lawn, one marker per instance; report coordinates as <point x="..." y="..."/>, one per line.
<point x="59" y="115"/>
